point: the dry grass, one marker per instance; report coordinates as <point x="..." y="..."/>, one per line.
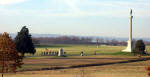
<point x="136" y="69"/>
<point x="72" y="61"/>
<point x="131" y="69"/>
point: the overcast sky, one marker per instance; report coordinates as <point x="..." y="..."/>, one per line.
<point x="76" y="17"/>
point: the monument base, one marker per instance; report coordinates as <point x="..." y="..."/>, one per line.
<point x="129" y="47"/>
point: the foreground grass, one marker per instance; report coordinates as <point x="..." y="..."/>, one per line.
<point x="135" y="69"/>
<point x="105" y="54"/>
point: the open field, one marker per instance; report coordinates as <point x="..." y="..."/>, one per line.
<point x="87" y="49"/>
<point x="108" y="63"/>
<point x="77" y="49"/>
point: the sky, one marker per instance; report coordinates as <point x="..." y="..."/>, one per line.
<point x="108" y="18"/>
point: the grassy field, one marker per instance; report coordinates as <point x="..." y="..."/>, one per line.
<point x="109" y="62"/>
<point x="88" y="50"/>
<point x="77" y="49"/>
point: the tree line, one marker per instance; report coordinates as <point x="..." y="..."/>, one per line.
<point x="76" y="40"/>
<point x="62" y="40"/>
<point x="80" y="40"/>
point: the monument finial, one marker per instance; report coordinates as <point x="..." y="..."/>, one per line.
<point x="131" y="12"/>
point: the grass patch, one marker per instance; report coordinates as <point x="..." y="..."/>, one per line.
<point x="123" y="53"/>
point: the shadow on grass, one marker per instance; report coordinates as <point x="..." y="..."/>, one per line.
<point x="88" y="65"/>
<point x="119" y="53"/>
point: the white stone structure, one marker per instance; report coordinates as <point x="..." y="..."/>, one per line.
<point x="60" y="53"/>
<point x="130" y="43"/>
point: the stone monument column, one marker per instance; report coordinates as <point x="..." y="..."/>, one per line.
<point x="130" y="46"/>
<point x="130" y="27"/>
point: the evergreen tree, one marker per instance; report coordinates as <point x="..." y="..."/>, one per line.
<point x="139" y="48"/>
<point x="23" y="42"/>
<point x="9" y="57"/>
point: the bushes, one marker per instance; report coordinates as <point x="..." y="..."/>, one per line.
<point x="139" y="48"/>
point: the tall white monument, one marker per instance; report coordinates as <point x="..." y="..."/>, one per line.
<point x="130" y="43"/>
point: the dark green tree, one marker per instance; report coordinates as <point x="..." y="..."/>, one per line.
<point x="139" y="48"/>
<point x="23" y="42"/>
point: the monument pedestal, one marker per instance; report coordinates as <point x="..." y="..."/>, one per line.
<point x="129" y="47"/>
